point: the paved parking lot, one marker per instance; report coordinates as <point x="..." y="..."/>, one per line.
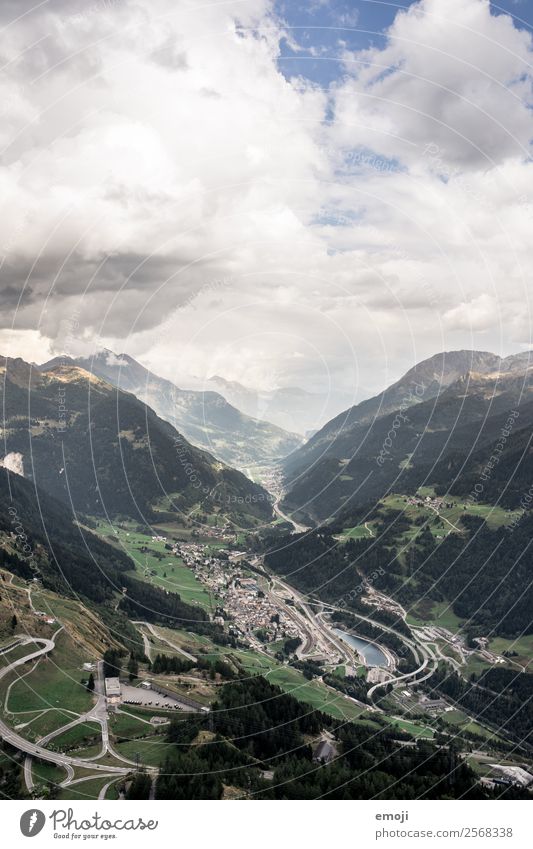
<point x="149" y="698"/>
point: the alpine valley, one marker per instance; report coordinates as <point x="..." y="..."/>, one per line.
<point x="197" y="604"/>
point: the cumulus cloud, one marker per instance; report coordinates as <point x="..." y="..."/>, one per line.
<point x="453" y="78"/>
<point x="478" y="314"/>
<point x="165" y="190"/>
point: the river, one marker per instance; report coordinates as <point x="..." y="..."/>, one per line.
<point x="371" y="653"/>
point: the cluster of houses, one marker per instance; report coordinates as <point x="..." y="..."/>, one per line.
<point x="248" y="606"/>
<point x="507" y="774"/>
<point x="50" y="620"/>
<point x="483" y="643"/>
<point x="433" y="503"/>
<point x="238" y="596"/>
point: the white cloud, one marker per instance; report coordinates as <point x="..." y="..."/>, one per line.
<point x="480" y="313"/>
<point x="169" y="192"/>
<point x="453" y="76"/>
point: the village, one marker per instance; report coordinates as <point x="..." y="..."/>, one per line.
<point x="432" y="503"/>
<point x="237" y="595"/>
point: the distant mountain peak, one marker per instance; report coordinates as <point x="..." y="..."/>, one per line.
<point x="206" y="419"/>
<point x="444" y="401"/>
<point x="106" y="450"/>
<point x="71" y="372"/>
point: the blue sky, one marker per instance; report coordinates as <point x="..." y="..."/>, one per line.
<point x="317" y="26"/>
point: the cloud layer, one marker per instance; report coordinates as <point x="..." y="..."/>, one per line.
<point x="166" y="190"/>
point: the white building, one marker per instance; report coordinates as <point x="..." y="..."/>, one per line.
<point x="113" y="691"/>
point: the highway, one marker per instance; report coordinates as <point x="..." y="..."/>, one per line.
<point x="298" y="529"/>
<point x="319" y="635"/>
<point x="35" y="749"/>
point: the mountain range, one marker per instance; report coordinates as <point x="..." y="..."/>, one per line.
<point x="205" y="418"/>
<point x="69" y="559"/>
<point x="290" y="407"/>
<point x="104" y="452"/>
<point x="80" y="450"/>
<point x="447" y="411"/>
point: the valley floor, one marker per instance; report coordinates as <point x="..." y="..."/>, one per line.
<point x="77" y="743"/>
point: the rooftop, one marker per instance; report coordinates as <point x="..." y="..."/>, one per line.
<point x="112" y="687"/>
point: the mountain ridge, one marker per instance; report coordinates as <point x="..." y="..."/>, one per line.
<point x="101" y="450"/>
<point x="373" y="447"/>
<point x="205" y="418"/>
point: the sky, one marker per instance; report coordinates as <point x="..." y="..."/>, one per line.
<point x="313" y="194"/>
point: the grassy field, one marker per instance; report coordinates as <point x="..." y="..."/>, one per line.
<point x="476" y="665"/>
<point x="455" y="717"/>
<point x="55" y="682"/>
<point x="494" y="516"/>
<point x="479" y="767"/>
<point x="411" y="727"/>
<point x="440" y="614"/>
<point x="174" y="576"/>
<point x="82" y="735"/>
<point x="124" y="724"/>
<point x="475" y="728"/>
<point x="112" y="791"/>
<point x="461" y="722"/>
<point x="152" y="751"/>
<point x="88" y="789"/>
<point x="41" y="723"/>
<point x="358" y="532"/>
<point x="90" y="751"/>
<point x="43" y="772"/>
<point x="523" y="646"/>
<point x="156" y="564"/>
<point x="8" y="657"/>
<point x="84" y="626"/>
<point x="314" y="693"/>
<point x="253" y="661"/>
<point x="185" y="639"/>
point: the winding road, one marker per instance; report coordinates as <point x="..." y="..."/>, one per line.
<point x="37" y="749"/>
<point x="298" y="529"/>
<point x="154" y="633"/>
